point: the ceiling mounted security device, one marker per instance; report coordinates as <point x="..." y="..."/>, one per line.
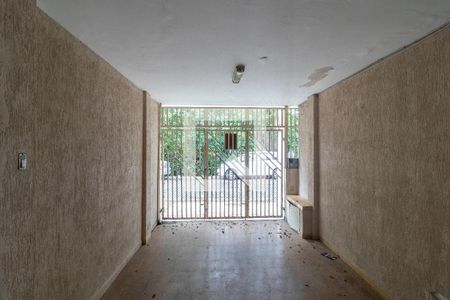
<point x="238" y="72"/>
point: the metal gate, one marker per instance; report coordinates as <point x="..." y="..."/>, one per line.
<point x="221" y="163"/>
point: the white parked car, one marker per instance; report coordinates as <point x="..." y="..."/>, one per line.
<point x="165" y="167"/>
<point x="262" y="164"/>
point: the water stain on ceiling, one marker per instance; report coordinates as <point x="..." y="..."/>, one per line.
<point x="317" y="75"/>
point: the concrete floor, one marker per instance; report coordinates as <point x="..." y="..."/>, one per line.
<point x="235" y="260"/>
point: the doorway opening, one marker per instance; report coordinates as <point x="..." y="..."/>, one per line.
<point x="225" y="163"/>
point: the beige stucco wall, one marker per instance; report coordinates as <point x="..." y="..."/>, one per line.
<point x="306" y="140"/>
<point x="384" y="139"/>
<point x="152" y="122"/>
<point x="308" y="161"/>
<point x="70" y="221"/>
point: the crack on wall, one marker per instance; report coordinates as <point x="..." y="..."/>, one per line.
<point x="317" y="75"/>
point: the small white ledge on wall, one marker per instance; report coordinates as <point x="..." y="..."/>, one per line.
<point x="299" y="215"/>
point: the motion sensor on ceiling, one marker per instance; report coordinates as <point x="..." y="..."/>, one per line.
<point x="238" y="72"/>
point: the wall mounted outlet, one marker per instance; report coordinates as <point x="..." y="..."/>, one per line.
<point x="23" y="161"/>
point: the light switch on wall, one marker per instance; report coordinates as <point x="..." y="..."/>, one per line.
<point x="23" y="161"/>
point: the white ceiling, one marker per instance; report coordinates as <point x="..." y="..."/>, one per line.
<point x="184" y="51"/>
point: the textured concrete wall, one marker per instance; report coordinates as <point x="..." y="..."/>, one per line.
<point x="70" y="221"/>
<point x="384" y="169"/>
<point x="308" y="164"/>
<point x="306" y="140"/>
<point x="152" y="165"/>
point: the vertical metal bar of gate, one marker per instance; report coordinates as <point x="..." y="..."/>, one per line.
<point x="162" y="174"/>
<point x="247" y="164"/>
<point x="205" y="157"/>
<point x="285" y="152"/>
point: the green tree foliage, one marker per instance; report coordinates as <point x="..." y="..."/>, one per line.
<point x="183" y="135"/>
